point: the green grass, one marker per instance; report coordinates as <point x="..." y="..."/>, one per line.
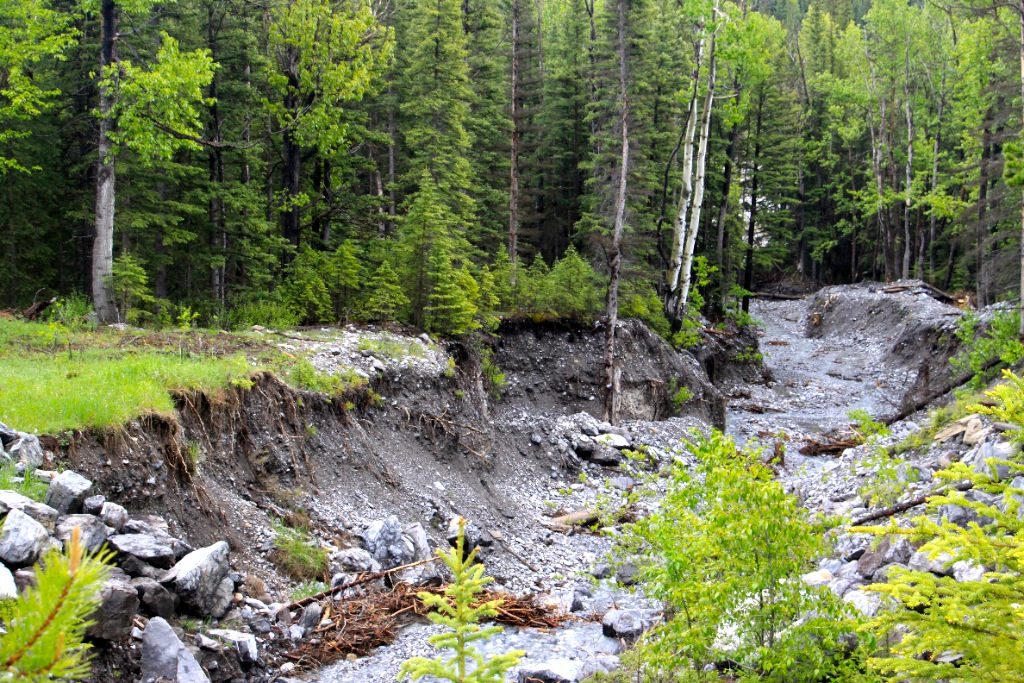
<point x="56" y="378"/>
<point x="306" y="589"/>
<point x="393" y="348"/>
<point x="52" y="393"/>
<point x="28" y="486"/>
<point x="297" y="554"/>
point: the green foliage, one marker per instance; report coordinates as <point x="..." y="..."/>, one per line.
<point x="1008" y="398"/>
<point x="300" y="373"/>
<point x="71" y="311"/>
<point x="130" y="284"/>
<point x="305" y="289"/>
<point x="44" y="628"/>
<point x="450" y="309"/>
<point x="393" y="347"/>
<point x="26" y="484"/>
<point x="639" y="300"/>
<point x="386" y="296"/>
<point x="494" y="378"/>
<point x="890" y="479"/>
<point x="937" y="615"/>
<point x="723" y="553"/>
<point x="297" y="554"/>
<point x="460" y="610"/>
<point x="679" y="393"/>
<point x="866" y="427"/>
<point x="267" y="312"/>
<point x="307" y="589"/>
<point x="999" y="342"/>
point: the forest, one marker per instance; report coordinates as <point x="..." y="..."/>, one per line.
<point x="443" y="162"/>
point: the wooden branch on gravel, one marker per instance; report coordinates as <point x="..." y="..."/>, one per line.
<point x="365" y="577"/>
<point x="831" y="445"/>
<point x="955" y="383"/>
<point x="908" y="504"/>
<point x="578" y="518"/>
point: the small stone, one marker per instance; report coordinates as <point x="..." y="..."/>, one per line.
<point x="92" y="531"/>
<point x="627" y="624"/>
<point x="244" y="644"/>
<point x="114" y="515"/>
<point x="616" y="441"/>
<point x="550" y="671"/>
<point x="93" y="504"/>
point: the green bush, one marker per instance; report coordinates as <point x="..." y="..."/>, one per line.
<point x="724" y="553"/>
<point x="267" y="312"/>
<point x="999" y="342"/>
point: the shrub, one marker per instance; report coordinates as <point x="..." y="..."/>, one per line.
<point x="723" y="553"/>
<point x="1000" y="343"/>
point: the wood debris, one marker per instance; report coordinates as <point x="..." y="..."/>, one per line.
<point x="830" y="445"/>
<point x="360" y="624"/>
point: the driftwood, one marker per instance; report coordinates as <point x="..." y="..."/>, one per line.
<point x="829" y="445"/>
<point x="908" y="504"/>
<point x="35" y="310"/>
<point x="363" y="623"/>
<point x="930" y="290"/>
<point x="580" y="517"/>
<point x="774" y="295"/>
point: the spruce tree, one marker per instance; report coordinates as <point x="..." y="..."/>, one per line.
<point x="451" y="309"/>
<point x="386" y="297"/>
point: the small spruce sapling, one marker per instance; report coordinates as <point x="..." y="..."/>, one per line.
<point x="45" y="626"/>
<point x="457" y="610"/>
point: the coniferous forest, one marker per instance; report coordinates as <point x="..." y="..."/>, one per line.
<point x="436" y="162"/>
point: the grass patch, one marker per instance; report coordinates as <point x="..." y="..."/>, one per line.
<point x="27" y="485"/>
<point x="393" y="348"/>
<point x="301" y="374"/>
<point x="297" y="554"/>
<point x="307" y="589"/>
<point x="95" y="388"/>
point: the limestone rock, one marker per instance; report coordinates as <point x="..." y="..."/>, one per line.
<point x="157" y="600"/>
<point x="22" y="539"/>
<point x="44" y="514"/>
<point x="92" y="530"/>
<point x="384" y="541"/>
<point x="114" y="515"/>
<point x="119" y="603"/>
<point x="244" y="644"/>
<point x="67" y="492"/>
<point x="165" y="657"/>
<point x="8" y="587"/>
<point x="93" y="504"/>
<point x="889" y="550"/>
<point x="865" y="602"/>
<point x="627" y="624"/>
<point x="940" y="564"/>
<point x="614" y="440"/>
<point x="355" y="560"/>
<point x="416" y="536"/>
<point x="143" y="547"/>
<point x="551" y="671"/>
<point x="200" y="580"/>
<point x="27" y="450"/>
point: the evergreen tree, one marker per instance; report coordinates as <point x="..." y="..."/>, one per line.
<point x="451" y="309"/>
<point x="386" y="297"/>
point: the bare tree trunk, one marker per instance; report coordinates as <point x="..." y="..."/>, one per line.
<point x="936" y="146"/>
<point x="513" y="192"/>
<point x="103" y="241"/>
<point x="909" y="170"/>
<point x="612" y="373"/>
<point x="686" y="191"/>
<point x="700" y="168"/>
<point x="748" y="266"/>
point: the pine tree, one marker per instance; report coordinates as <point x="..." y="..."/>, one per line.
<point x="44" y="628"/>
<point x="458" y="610"/>
<point x="386" y="297"/>
<point x="451" y="309"/>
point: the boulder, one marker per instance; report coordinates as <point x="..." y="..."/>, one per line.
<point x="940" y="564"/>
<point x="200" y="580"/>
<point x="820" y="577"/>
<point x="157" y="528"/>
<point x="93" y="504"/>
<point x="384" y="541"/>
<point x="165" y="658"/>
<point x="114" y="516"/>
<point x="27" y="450"/>
<point x="244" y="644"/>
<point x="119" y="603"/>
<point x="355" y="560"/>
<point x="865" y="602"/>
<point x="144" y="548"/>
<point x="44" y="514"/>
<point x="7" y="436"/>
<point x="606" y="456"/>
<point x="22" y="539"/>
<point x="965" y="570"/>
<point x="616" y="441"/>
<point x="67" y="492"/>
<point x="627" y="624"/>
<point x="889" y="550"/>
<point x="8" y="587"/>
<point x="475" y="537"/>
<point x="415" y="535"/>
<point x="157" y="600"/>
<point x="92" y="530"/>
<point x="550" y="671"/>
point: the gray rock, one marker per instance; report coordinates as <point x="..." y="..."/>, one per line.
<point x="965" y="570"/>
<point x="627" y="574"/>
<point x="614" y="440"/>
<point x="551" y="671"/>
<point x="165" y="657"/>
<point x="889" y="550"/>
<point x="145" y="548"/>
<point x="115" y="516"/>
<point x="27" y="450"/>
<point x="356" y="560"/>
<point x="244" y="644"/>
<point x="940" y="564"/>
<point x="384" y="541"/>
<point x="25" y="578"/>
<point x="310" y="616"/>
<point x="415" y="535"/>
<point x="67" y="492"/>
<point x="865" y="602"/>
<point x="119" y="603"/>
<point x="92" y="531"/>
<point x="157" y="600"/>
<point x="475" y="536"/>
<point x="93" y="504"/>
<point x="22" y="539"/>
<point x="627" y="624"/>
<point x="44" y="514"/>
<point x="200" y="580"/>
<point x="8" y="587"/>
<point x="157" y="528"/>
<point x="606" y="456"/>
<point x="7" y="436"/>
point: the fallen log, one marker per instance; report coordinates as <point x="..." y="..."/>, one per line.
<point x="35" y="310"/>
<point x="580" y="517"/>
<point x="831" y="446"/>
<point x="909" y="504"/>
<point x="778" y="295"/>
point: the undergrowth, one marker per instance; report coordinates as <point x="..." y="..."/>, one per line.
<point x="297" y="554"/>
<point x="27" y="485"/>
